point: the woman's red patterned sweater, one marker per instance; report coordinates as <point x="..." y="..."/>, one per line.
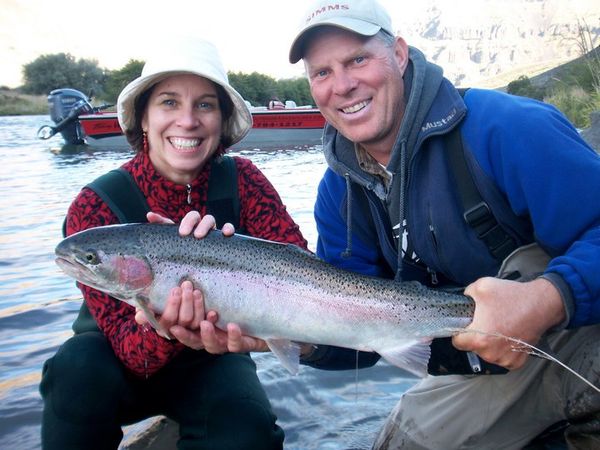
<point x="262" y="214"/>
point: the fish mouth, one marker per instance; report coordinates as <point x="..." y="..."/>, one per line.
<point x="65" y="264"/>
<point x="74" y="269"/>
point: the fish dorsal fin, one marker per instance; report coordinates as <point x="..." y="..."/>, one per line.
<point x="291" y="247"/>
<point x="287" y="352"/>
<point x="302" y="251"/>
<point x="412" y="356"/>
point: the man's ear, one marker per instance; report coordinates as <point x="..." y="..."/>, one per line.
<point x="401" y="53"/>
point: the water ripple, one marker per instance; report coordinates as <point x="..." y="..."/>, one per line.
<point x="39" y="179"/>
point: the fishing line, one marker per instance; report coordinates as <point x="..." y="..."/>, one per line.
<point x="534" y="351"/>
<point x="356" y="378"/>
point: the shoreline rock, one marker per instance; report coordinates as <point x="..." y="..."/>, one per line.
<point x="155" y="433"/>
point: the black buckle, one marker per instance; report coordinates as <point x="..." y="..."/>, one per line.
<point x="481" y="219"/>
<point x="478" y="214"/>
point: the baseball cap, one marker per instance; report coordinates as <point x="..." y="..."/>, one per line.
<point x="365" y="17"/>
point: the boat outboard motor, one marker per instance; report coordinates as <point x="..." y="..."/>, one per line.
<point x="66" y="105"/>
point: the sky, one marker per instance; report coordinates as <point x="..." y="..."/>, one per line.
<point x="251" y="35"/>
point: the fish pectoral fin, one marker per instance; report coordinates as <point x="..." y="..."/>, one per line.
<point x="287" y="352"/>
<point x="412" y="356"/>
<point x="142" y="302"/>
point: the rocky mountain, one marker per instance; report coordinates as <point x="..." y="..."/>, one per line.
<point x="491" y="42"/>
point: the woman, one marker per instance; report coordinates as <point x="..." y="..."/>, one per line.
<point x="180" y="115"/>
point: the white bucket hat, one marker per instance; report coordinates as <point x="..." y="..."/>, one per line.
<point x="185" y="55"/>
<point x="365" y="17"/>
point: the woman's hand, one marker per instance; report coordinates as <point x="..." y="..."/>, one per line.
<point x="184" y="319"/>
<point x="184" y="308"/>
<point x="184" y="315"/>
<point x="217" y="341"/>
<point x="194" y="223"/>
<point x="157" y="218"/>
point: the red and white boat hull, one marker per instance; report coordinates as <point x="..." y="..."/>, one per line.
<point x="271" y="128"/>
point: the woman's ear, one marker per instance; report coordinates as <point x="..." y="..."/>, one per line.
<point x="144" y="124"/>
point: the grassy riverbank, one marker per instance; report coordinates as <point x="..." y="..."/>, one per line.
<point x="13" y="103"/>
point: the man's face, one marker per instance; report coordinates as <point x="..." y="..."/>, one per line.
<point x="357" y="84"/>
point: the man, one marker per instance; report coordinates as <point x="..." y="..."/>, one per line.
<point x="392" y="204"/>
<point x="389" y="205"/>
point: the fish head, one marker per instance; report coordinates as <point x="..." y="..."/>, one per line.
<point x="105" y="261"/>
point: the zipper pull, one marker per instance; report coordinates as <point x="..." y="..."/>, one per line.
<point x="189" y="193"/>
<point x="433" y="276"/>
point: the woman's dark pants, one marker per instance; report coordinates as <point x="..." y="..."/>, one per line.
<point x="217" y="401"/>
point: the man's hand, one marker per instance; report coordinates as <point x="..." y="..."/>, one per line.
<point x="524" y="311"/>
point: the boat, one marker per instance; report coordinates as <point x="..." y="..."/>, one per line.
<point x="292" y="125"/>
<point x="79" y="122"/>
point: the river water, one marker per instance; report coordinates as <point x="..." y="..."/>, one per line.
<point x="38" y="180"/>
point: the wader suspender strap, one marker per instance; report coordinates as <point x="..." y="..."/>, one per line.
<point x="477" y="213"/>
<point x="223" y="199"/>
<point x="119" y="191"/>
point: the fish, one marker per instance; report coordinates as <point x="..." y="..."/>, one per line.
<point x="278" y="292"/>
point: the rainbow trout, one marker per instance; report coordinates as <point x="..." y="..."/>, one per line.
<point x="276" y="292"/>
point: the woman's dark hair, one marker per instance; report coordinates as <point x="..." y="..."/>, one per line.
<point x="226" y="106"/>
<point x="135" y="135"/>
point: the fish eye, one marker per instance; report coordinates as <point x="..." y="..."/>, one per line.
<point x="91" y="257"/>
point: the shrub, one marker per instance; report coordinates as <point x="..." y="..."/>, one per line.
<point x="522" y="86"/>
<point x="575" y="103"/>
<point x="61" y="70"/>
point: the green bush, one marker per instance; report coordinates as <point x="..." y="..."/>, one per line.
<point x="258" y="89"/>
<point x="61" y="70"/>
<point x="296" y="89"/>
<point x="575" y="103"/>
<point x="116" y="80"/>
<point x="578" y="74"/>
<point x="255" y="87"/>
<point x="522" y="86"/>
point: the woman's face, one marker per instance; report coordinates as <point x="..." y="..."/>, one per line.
<point x="183" y="123"/>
